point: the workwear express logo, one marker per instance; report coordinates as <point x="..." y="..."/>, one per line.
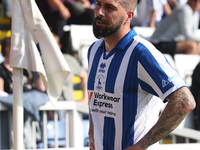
<point x="103" y="103"/>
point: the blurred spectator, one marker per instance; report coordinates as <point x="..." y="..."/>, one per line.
<point x="178" y="32"/>
<point x="1" y="57"/>
<point x="151" y="12"/>
<point x="32" y="80"/>
<point x="76" y="70"/>
<point x="58" y="13"/>
<point x="173" y="4"/>
<point x="7" y="8"/>
<point x="176" y="3"/>
<point x="81" y="11"/>
<point x="195" y="89"/>
<point x="68" y="88"/>
<point x="199" y="20"/>
<point x="182" y="2"/>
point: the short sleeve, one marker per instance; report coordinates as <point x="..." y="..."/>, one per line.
<point x="156" y="75"/>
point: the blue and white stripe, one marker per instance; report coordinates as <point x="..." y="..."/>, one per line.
<point x="131" y="74"/>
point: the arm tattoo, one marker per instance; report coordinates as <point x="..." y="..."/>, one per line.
<point x="180" y="104"/>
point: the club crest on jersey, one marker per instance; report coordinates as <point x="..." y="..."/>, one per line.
<point x="102" y="67"/>
<point x="99" y="81"/>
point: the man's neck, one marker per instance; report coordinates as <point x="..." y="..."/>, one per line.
<point x="112" y="40"/>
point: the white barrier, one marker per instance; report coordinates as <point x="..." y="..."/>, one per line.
<point x="187" y="134"/>
<point x="185" y="65"/>
<point x="144" y="32"/>
<point x="83" y="148"/>
<point x="79" y="33"/>
<point x="191" y="146"/>
<point x="75" y="128"/>
<point x="73" y="122"/>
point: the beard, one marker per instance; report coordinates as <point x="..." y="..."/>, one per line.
<point x="100" y="32"/>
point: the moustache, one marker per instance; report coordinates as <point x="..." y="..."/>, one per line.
<point x="101" y="19"/>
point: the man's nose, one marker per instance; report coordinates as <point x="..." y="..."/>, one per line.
<point x="100" y="12"/>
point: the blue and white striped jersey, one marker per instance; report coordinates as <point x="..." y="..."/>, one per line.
<point x="123" y="89"/>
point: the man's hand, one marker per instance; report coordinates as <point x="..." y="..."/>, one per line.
<point x="91" y="133"/>
<point x="91" y="139"/>
<point x="64" y="12"/>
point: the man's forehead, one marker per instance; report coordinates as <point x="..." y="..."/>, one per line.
<point x="109" y="1"/>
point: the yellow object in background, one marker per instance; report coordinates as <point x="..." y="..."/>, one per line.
<point x="76" y="80"/>
<point x="4" y="34"/>
<point x="6" y="21"/>
<point x="78" y="94"/>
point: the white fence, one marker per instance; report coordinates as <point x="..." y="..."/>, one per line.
<point x="191" y="146"/>
<point x="74" y="129"/>
<point x="73" y="122"/>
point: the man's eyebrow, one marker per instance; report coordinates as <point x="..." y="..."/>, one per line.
<point x="110" y="5"/>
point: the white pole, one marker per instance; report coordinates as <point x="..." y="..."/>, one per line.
<point x="18" y="111"/>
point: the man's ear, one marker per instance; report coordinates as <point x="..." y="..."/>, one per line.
<point x="130" y="15"/>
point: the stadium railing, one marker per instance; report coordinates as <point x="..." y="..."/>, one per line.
<point x="74" y="138"/>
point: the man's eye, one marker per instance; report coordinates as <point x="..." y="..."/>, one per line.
<point x="98" y="4"/>
<point x="110" y="7"/>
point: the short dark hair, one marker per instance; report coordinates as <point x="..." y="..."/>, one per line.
<point x="129" y="4"/>
<point x="5" y="43"/>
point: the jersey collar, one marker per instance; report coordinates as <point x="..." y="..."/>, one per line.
<point x="122" y="44"/>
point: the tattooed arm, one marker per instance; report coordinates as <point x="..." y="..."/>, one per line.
<point x="180" y="104"/>
<point x="91" y="133"/>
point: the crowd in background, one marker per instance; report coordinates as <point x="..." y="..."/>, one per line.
<point x="176" y="23"/>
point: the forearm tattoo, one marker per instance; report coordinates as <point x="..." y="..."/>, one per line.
<point x="180" y="104"/>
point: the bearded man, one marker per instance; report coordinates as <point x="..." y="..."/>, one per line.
<point x="128" y="78"/>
